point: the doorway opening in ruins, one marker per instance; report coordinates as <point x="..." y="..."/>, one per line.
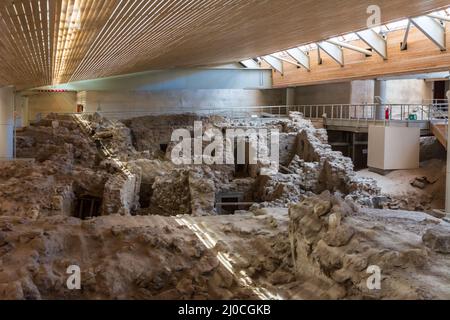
<point x="352" y="144"/>
<point x="241" y="170"/>
<point x="439" y="92"/>
<point x="229" y="208"/>
<point x="230" y="202"/>
<point x="163" y="147"/>
<point x="87" y="206"/>
<point x="145" y="195"/>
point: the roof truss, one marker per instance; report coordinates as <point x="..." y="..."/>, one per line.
<point x="301" y="57"/>
<point x="433" y="29"/>
<point x="374" y="40"/>
<point x="274" y="62"/>
<point x="334" y="51"/>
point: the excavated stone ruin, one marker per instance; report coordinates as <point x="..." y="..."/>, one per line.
<point x="104" y="194"/>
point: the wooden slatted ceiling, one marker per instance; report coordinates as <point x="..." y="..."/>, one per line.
<point x="45" y="42"/>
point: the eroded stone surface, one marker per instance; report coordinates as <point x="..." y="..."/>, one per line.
<point x="438" y="239"/>
<point x="335" y="248"/>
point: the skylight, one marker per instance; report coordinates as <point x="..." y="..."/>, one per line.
<point x="386" y="28"/>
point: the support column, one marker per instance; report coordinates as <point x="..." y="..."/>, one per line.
<point x="22" y="111"/>
<point x="447" y="189"/>
<point x="7" y="122"/>
<point x="290" y="96"/>
<point x="380" y="97"/>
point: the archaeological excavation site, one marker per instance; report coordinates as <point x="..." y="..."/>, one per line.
<point x="224" y="150"/>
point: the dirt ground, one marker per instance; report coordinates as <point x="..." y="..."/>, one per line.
<point x="398" y="182"/>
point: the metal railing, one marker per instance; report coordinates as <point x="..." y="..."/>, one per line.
<point x="387" y="112"/>
<point x="361" y="116"/>
<point x="231" y="112"/>
<point x="367" y="111"/>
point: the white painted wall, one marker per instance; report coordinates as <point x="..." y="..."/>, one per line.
<point x="376" y="150"/>
<point x="393" y="148"/>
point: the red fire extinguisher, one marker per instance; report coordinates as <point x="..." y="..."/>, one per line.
<point x="386" y="113"/>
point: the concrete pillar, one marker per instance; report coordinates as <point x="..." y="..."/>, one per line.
<point x="7" y="122"/>
<point x="290" y="96"/>
<point x="447" y="189"/>
<point x="22" y="111"/>
<point x="380" y="97"/>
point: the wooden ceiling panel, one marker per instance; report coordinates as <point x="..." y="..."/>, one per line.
<point x="46" y="42"/>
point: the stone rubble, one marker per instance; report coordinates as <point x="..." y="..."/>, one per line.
<point x="141" y="248"/>
<point x="334" y="243"/>
<point x="319" y="168"/>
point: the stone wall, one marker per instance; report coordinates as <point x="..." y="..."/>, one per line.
<point x="120" y="196"/>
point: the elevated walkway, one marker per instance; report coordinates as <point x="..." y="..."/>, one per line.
<point x="440" y="132"/>
<point x="362" y="126"/>
<point x="430" y="118"/>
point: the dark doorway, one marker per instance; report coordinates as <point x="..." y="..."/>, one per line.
<point x="231" y="208"/>
<point x="439" y="92"/>
<point x="163" y="147"/>
<point x="241" y="170"/>
<point x="352" y="144"/>
<point x="145" y="195"/>
<point x="228" y="202"/>
<point x="87" y="207"/>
